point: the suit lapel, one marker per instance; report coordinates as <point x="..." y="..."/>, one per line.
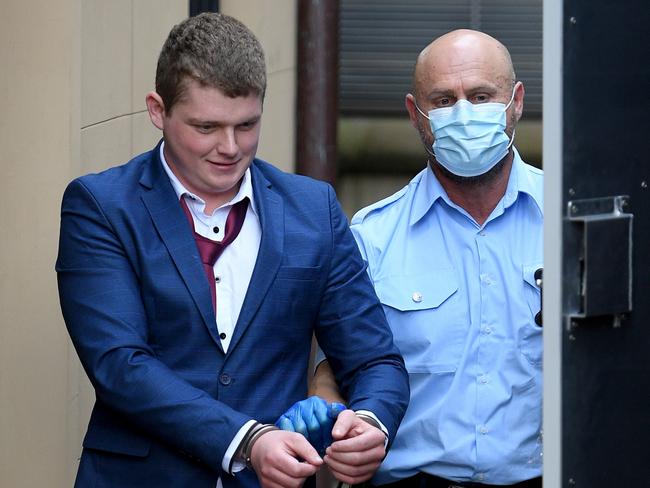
<point x="162" y="204"/>
<point x="270" y="208"/>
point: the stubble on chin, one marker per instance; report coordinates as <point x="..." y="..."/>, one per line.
<point x="474" y="181"/>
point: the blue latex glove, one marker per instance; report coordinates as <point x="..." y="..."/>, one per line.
<point x="313" y="418"/>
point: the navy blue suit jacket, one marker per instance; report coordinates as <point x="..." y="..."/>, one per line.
<point x="138" y="309"/>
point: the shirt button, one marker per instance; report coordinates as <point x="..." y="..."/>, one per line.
<point x="225" y="379"/>
<point x="217" y="279"/>
<point x="484" y="379"/>
<point x="481" y="477"/>
<point x="215" y="229"/>
<point x="416" y="297"/>
<point x="483" y="430"/>
<point x="222" y="335"/>
<point x="488" y="330"/>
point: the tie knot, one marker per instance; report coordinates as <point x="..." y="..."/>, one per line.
<point x="210" y="250"/>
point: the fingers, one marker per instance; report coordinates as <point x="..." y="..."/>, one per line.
<point x="275" y="458"/>
<point x="313" y="418"/>
<point x="365" y="440"/>
<point x="319" y="424"/>
<point x="320" y="409"/>
<point x="357" y="454"/>
<point x="347" y="425"/>
<point x="353" y="458"/>
<point x="276" y="479"/>
<point x="299" y="448"/>
<point x="285" y="423"/>
<point x="271" y="477"/>
<point x="335" y="409"/>
<point x="293" y="419"/>
<point x="352" y="473"/>
<point x="354" y="466"/>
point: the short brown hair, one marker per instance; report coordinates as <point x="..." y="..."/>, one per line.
<point x="216" y="51"/>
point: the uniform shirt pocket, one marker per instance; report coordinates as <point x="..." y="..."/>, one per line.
<point x="530" y="338"/>
<point x="426" y="317"/>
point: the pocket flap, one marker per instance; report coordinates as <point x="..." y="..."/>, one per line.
<point x="417" y="291"/>
<point x="109" y="432"/>
<point x="528" y="271"/>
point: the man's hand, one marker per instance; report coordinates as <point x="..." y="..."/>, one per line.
<point x="283" y="459"/>
<point x="357" y="450"/>
<point x="314" y="419"/>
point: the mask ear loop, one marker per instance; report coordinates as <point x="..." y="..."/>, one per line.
<point x="512" y="139"/>
<point x="426" y="148"/>
<point x="512" y="98"/>
<point x="420" y="110"/>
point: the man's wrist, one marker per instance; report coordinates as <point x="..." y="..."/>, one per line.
<point x="368" y="419"/>
<point x="243" y="453"/>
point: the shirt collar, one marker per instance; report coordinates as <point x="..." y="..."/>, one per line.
<point x="245" y="189"/>
<point x="521" y="181"/>
<point x="429" y="189"/>
<point x="427" y="192"/>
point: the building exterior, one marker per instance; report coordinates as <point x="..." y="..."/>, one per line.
<point x="73" y="77"/>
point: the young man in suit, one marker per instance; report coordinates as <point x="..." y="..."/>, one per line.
<point x="191" y="281"/>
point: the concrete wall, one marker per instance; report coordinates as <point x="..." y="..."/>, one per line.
<point x="72" y="85"/>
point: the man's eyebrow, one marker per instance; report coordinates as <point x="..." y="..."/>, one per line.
<point x="484" y="88"/>
<point x="437" y="92"/>
<point x="195" y="121"/>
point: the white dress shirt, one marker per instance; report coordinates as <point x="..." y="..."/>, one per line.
<point x="233" y="270"/>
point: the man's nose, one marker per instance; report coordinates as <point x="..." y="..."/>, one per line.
<point x="227" y="144"/>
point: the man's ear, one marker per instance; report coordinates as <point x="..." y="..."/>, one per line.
<point x="409" y="102"/>
<point x="156" y="109"/>
<point x="518" y="101"/>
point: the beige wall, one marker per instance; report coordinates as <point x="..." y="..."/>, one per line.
<point x="73" y="78"/>
<point x="35" y="132"/>
<point x="120" y="41"/>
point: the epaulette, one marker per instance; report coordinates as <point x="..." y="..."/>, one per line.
<point x="385" y="202"/>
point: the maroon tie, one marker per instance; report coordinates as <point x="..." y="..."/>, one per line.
<point x="210" y="250"/>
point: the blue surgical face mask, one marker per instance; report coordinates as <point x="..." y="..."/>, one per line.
<point x="470" y="139"/>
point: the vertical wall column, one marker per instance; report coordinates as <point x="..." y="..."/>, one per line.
<point x="317" y="114"/>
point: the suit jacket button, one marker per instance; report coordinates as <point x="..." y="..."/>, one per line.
<point x="225" y="379"/>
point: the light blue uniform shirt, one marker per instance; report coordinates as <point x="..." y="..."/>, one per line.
<point x="461" y="300"/>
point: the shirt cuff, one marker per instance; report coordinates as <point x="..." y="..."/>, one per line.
<point x="319" y="357"/>
<point x="232" y="448"/>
